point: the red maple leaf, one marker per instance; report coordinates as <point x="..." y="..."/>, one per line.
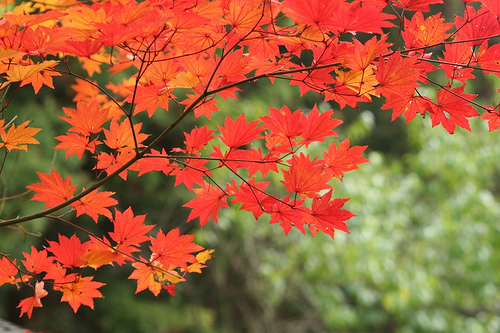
<point x="233" y="68"/>
<point x="397" y="75"/>
<point x="161" y="163"/>
<point x="458" y="58"/>
<point x="305" y="177"/>
<point x="475" y="27"/>
<point x="192" y="173"/>
<point x="288" y="213"/>
<point x="173" y="249"/>
<point x="343" y="158"/>
<point x="285" y="123"/>
<point x="37" y="261"/>
<point x="232" y="158"/>
<point x="326" y="215"/>
<point x="197" y="139"/>
<point x="94" y="204"/>
<point x="206" y="205"/>
<point x="455" y="104"/>
<point x="312" y="12"/>
<point x="318" y="126"/>
<point x="251" y="196"/>
<point x="493" y="119"/>
<point x="85" y="48"/>
<point x="239" y="133"/>
<point x="52" y="189"/>
<point x="409" y="105"/>
<point x="129" y="229"/>
<point x="416" y="5"/>
<point x="353" y="16"/>
<point x="69" y="251"/>
<point x="259" y="162"/>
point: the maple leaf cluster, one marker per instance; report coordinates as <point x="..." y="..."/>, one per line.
<point x="62" y="264"/>
<point x="183" y="57"/>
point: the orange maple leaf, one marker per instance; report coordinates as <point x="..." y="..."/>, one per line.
<point x="87" y="119"/>
<point x="41" y="78"/>
<point x="201" y="258"/>
<point x="149" y="97"/>
<point x="111" y="163"/>
<point x="243" y="15"/>
<point x="153" y="276"/>
<point x="121" y="137"/>
<point x="52" y="189"/>
<point x="9" y="272"/>
<point x="79" y="290"/>
<point x="98" y="254"/>
<point x="420" y="32"/>
<point x="34" y="301"/>
<point x="75" y="143"/>
<point x="17" y="138"/>
<point x="173" y="249"/>
<point x="362" y="83"/>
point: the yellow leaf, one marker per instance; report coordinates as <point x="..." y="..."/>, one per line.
<point x="19" y="72"/>
<point x="17" y="138"/>
<point x="201" y="258"/>
<point x="9" y="53"/>
<point x="362" y="82"/>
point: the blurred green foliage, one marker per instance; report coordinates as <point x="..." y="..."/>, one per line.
<point x="423" y="254"/>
